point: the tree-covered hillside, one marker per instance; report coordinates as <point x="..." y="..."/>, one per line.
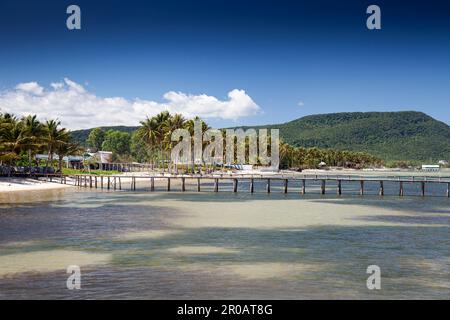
<point x="391" y="135"/>
<point x="81" y="136"/>
<point x="408" y="135"/>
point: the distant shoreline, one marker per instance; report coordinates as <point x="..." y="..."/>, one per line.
<point x="17" y="184"/>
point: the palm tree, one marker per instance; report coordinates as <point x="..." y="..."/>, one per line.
<point x="168" y="127"/>
<point x="32" y="135"/>
<point x="147" y="133"/>
<point x="11" y="141"/>
<point x="65" y="149"/>
<point x="160" y="119"/>
<point x="190" y="126"/>
<point x="54" y="136"/>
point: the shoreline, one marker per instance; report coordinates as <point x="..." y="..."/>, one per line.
<point x="13" y="185"/>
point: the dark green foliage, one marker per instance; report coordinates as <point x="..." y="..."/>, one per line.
<point x="81" y="136"/>
<point x="405" y="135"/>
<point x="393" y="136"/>
<point x="118" y="142"/>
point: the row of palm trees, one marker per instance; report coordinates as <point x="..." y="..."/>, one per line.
<point x="155" y="133"/>
<point x="28" y="136"/>
<point x="299" y="157"/>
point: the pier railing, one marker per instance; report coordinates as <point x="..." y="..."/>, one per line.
<point x="283" y="182"/>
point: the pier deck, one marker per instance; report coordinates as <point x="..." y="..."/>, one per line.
<point x="284" y="183"/>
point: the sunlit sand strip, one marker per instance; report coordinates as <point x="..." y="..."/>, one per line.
<point x="146" y="234"/>
<point x="258" y="270"/>
<point x="48" y="261"/>
<point x="194" y="250"/>
<point x="290" y="214"/>
<point x="20" y="244"/>
<point x="21" y="185"/>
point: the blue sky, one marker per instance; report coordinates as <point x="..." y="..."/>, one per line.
<point x="292" y="58"/>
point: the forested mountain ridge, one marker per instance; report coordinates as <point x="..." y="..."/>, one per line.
<point x="405" y="135"/>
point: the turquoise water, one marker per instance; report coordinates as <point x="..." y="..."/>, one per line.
<point x="224" y="246"/>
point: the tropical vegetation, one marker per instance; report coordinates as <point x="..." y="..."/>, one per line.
<point x="22" y="138"/>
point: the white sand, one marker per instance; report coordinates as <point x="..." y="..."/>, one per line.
<point x="48" y="261"/>
<point x="285" y="214"/>
<point x="146" y="234"/>
<point x="22" y="184"/>
<point x="194" y="250"/>
<point x="256" y="271"/>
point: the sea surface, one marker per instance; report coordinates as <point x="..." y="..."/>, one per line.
<point x="143" y="245"/>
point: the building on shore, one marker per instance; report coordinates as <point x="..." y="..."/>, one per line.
<point x="74" y="162"/>
<point x="431" y="167"/>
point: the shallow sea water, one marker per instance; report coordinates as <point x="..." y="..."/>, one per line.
<point x="222" y="246"/>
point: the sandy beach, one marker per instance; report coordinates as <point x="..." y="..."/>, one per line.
<point x="21" y="185"/>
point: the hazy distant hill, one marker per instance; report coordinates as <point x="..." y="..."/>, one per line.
<point x="405" y="135"/>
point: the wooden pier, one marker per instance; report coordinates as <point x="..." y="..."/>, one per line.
<point x="286" y="184"/>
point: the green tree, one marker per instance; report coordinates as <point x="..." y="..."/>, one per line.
<point x="11" y="140"/>
<point x="139" y="150"/>
<point x="32" y="134"/>
<point x="96" y="138"/>
<point x="53" y="137"/>
<point x="118" y="142"/>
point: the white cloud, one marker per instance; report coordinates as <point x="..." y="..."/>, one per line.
<point x="30" y="87"/>
<point x="300" y="103"/>
<point x="77" y="108"/>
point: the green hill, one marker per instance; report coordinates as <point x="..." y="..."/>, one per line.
<point x="82" y="135"/>
<point x="407" y="135"/>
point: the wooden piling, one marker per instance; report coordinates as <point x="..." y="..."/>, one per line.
<point x="109" y="181"/>
<point x="401" y="192"/>
<point x="322" y="187"/>
<point x="216" y="185"/>
<point x="251" y="185"/>
<point x="101" y="182"/>
<point x="339" y="187"/>
<point x="95" y="182"/>
<point x="285" y="185"/>
<point x="268" y="185"/>
<point x="423" y="188"/>
<point x="183" y="184"/>
<point x="303" y="186"/>
<point x="120" y="184"/>
<point x="198" y="184"/>
<point x="235" y="185"/>
<point x="152" y="184"/>
<point x="90" y="182"/>
<point x="168" y="184"/>
<point x="361" y="189"/>
<point x="381" y="193"/>
<point x="115" y="183"/>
